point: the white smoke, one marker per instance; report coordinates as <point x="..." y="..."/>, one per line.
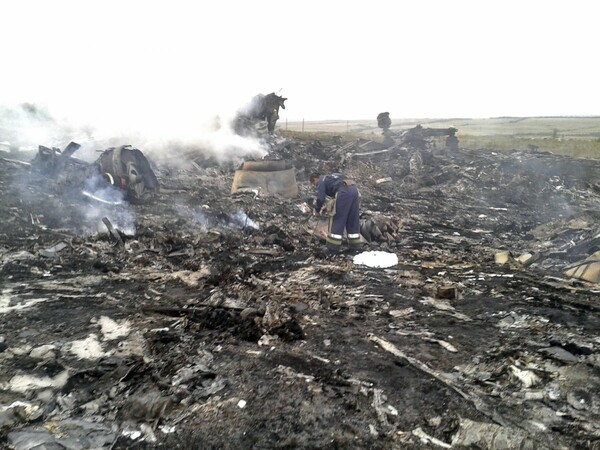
<point x="208" y="220"/>
<point x="25" y="126"/>
<point x="241" y="219"/>
<point x="121" y="218"/>
<point x="163" y="134"/>
<point x="106" y="201"/>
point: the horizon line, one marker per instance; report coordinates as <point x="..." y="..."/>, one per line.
<point x="453" y="118"/>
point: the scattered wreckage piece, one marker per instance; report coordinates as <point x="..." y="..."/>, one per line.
<point x="268" y="177"/>
<point x="17" y="162"/>
<point x="373" y="153"/>
<point x="262" y="108"/>
<point x="125" y="168"/>
<point x="372" y="228"/>
<point x="447" y="292"/>
<point x="447" y="234"/>
<point x="52" y="161"/>
<point x="63" y="434"/>
<point x="479" y="404"/>
<point x="318" y="226"/>
<point x="62" y="167"/>
<point x="113" y="232"/>
<point x="411" y="141"/>
<point x="420" y="137"/>
<point x="54" y="250"/>
<point x="587" y="270"/>
<point x="416" y="137"/>
<point x="488" y="435"/>
<point x="506" y="258"/>
<point x="383" y="121"/>
<point x="427" y="439"/>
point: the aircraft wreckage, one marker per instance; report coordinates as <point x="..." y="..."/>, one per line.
<point x="219" y="321"/>
<point x="125" y="168"/>
<point x="260" y="115"/>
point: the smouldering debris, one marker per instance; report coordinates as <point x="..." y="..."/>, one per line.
<point x="204" y="317"/>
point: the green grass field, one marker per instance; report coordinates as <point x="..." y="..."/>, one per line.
<point x="574" y="136"/>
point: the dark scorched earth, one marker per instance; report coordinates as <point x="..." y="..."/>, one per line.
<point x="220" y="322"/>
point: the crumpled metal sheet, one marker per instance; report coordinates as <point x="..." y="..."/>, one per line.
<point x="129" y="169"/>
<point x="273" y="182"/>
<point x="67" y="434"/>
<point x="489" y="435"/>
<point x="587" y="270"/>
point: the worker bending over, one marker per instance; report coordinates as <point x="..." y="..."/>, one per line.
<point x="343" y="209"/>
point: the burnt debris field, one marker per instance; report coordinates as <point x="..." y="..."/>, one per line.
<point x="182" y="315"/>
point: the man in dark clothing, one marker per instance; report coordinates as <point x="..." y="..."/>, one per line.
<point x="344" y="213"/>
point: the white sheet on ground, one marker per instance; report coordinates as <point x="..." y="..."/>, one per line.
<point x="376" y="259"/>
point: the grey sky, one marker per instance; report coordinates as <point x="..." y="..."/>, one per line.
<point x="167" y="65"/>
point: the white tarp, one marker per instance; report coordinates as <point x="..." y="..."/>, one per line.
<point x="376" y="259"/>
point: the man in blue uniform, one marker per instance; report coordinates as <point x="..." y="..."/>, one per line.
<point x="344" y="213"/>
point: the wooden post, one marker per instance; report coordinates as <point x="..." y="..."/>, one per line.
<point x="302" y="125"/>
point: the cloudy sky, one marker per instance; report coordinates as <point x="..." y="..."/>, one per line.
<point x="171" y="63"/>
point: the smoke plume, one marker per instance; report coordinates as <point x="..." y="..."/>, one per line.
<point x="170" y="138"/>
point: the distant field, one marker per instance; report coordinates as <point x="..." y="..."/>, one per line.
<point x="574" y="136"/>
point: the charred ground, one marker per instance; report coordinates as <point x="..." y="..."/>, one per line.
<point x="205" y="332"/>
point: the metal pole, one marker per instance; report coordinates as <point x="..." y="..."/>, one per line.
<point x="302" y="125"/>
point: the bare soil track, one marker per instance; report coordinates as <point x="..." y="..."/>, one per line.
<point x="204" y="332"/>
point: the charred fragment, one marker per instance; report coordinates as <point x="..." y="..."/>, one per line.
<point x="416" y="137"/>
<point x="223" y="316"/>
<point x="61" y="166"/>
<point x="410" y="144"/>
<point x="126" y="168"/>
<point x="113" y="232"/>
<point x="419" y="137"/>
<point x="262" y="111"/>
<point x="266" y="177"/>
<point x="384" y="122"/>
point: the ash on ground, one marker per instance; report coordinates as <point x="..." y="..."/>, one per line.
<point x="220" y="322"/>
